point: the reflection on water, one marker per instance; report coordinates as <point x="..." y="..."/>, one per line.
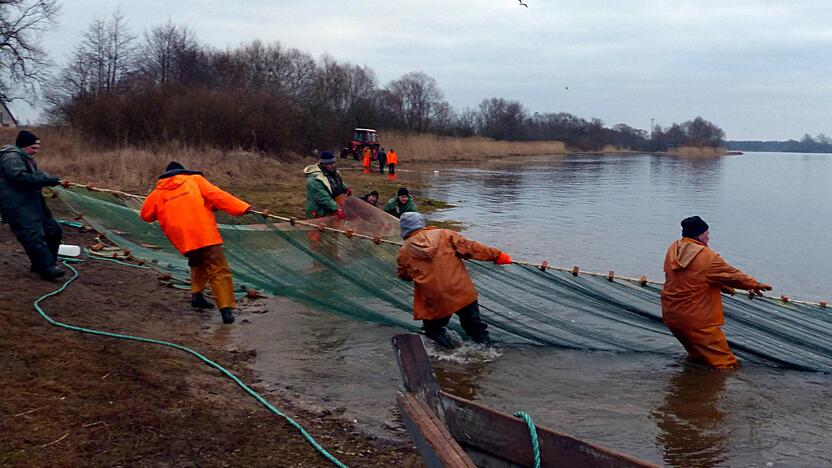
<point x="769" y="215"/>
<point x="652" y="406"/>
<point x="690" y="418"/>
<point x="768" y="212"/>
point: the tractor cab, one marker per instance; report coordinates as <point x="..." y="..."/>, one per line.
<point x="362" y="138"/>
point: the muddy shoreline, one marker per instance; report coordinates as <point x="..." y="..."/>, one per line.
<point x="70" y="399"/>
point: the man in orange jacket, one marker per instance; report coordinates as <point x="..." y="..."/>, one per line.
<point x="695" y="277"/>
<point x="432" y="259"/>
<point x="392" y="161"/>
<point x="183" y="203"/>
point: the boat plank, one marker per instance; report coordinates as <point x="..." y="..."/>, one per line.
<point x="436" y="445"/>
<point x="507" y="438"/>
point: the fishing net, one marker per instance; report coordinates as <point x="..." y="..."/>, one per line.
<point x="355" y="276"/>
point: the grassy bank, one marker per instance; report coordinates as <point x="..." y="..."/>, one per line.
<point x="274" y="182"/>
<point x="433" y="148"/>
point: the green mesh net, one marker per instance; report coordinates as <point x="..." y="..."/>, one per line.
<point x="355" y="277"/>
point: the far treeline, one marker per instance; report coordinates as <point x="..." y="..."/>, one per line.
<point x="807" y="144"/>
<point x="165" y="85"/>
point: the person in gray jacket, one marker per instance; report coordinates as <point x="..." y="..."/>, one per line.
<point x="22" y="205"/>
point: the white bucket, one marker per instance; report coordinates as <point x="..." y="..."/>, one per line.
<point x="69" y="250"/>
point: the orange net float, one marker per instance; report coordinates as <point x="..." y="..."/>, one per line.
<point x="643" y="280"/>
<point x="784" y="298"/>
<point x="349" y="233"/>
<point x="376" y="240"/>
<point x="90" y="187"/>
<point x="575" y="271"/>
<point x="823" y="304"/>
<point x="611" y="276"/>
<point x="292" y="221"/>
<point x="544" y="265"/>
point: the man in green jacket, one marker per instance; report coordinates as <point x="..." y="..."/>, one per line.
<point x="401" y="203"/>
<point x="324" y="186"/>
<point x="22" y="205"/>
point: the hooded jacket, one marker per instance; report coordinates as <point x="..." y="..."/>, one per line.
<point x="21" y="184"/>
<point x="694" y="278"/>
<point x="321" y="191"/>
<point x="432" y="259"/>
<point x="183" y="203"/>
<point x="394" y="208"/>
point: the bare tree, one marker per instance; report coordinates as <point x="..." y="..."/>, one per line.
<point x="165" y="52"/>
<point x="23" y="62"/>
<point x="416" y="99"/>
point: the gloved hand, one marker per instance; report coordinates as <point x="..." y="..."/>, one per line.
<point x="503" y="259"/>
<point x="349" y="192"/>
<point x="340" y="214"/>
<point x="728" y="290"/>
<point x="759" y="288"/>
<point x="53" y="181"/>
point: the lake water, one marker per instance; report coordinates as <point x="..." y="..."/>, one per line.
<point x="768" y="215"/>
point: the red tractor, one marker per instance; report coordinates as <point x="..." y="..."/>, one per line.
<point x="362" y="138"/>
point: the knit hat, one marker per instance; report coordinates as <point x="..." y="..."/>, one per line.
<point x="26" y="138"/>
<point x="327" y="158"/>
<point x="410" y="222"/>
<point x="693" y="227"/>
<point x="174" y="166"/>
<point x="374" y="192"/>
<point x="403" y="191"/>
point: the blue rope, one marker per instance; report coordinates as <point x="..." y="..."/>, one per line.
<point x="204" y="359"/>
<point x="533" y="432"/>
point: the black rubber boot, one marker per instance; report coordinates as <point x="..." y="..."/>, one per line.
<point x="51" y="273"/>
<point x="198" y="301"/>
<point x="441" y="338"/>
<point x="481" y="337"/>
<point x="227" y="315"/>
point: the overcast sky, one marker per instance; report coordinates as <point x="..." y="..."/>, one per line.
<point x="759" y="69"/>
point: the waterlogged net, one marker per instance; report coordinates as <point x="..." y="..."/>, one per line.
<point x="523" y="305"/>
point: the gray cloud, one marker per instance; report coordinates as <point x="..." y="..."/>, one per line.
<point x="758" y="69"/>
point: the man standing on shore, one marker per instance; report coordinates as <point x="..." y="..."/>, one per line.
<point x="22" y="205"/>
<point x="695" y="277"/>
<point x="392" y="160"/>
<point x="433" y="259"/>
<point x="183" y="203"/>
<point x="382" y="160"/>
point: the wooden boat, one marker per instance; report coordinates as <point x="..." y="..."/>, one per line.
<point x="450" y="431"/>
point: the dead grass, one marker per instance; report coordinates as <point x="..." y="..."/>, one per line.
<point x="276" y="183"/>
<point x="425" y="147"/>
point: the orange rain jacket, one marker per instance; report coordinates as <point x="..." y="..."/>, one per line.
<point x="393" y="158"/>
<point x="432" y="259"/>
<point x="367" y="155"/>
<point x="183" y="203"/>
<point x="694" y="278"/>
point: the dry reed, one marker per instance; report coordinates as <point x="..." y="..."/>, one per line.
<point x="426" y="147"/>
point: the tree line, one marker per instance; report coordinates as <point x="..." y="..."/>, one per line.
<point x="165" y="85"/>
<point x="807" y="144"/>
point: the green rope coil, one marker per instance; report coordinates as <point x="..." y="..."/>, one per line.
<point x="533" y="433"/>
<point x="204" y="359"/>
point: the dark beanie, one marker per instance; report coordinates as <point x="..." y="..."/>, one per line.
<point x="26" y="138"/>
<point x="174" y="166"/>
<point x="403" y="191"/>
<point x="693" y="227"/>
<point x="327" y="158"/>
<point x="374" y="192"/>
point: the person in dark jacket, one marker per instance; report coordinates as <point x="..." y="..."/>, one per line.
<point x="401" y="203"/>
<point x="22" y="205"/>
<point x="382" y="160"/>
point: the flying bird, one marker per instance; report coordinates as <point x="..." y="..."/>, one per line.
<point x="521" y="2"/>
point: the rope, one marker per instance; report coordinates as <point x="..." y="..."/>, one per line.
<point x="543" y="266"/>
<point x="202" y="358"/>
<point x="533" y="433"/>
